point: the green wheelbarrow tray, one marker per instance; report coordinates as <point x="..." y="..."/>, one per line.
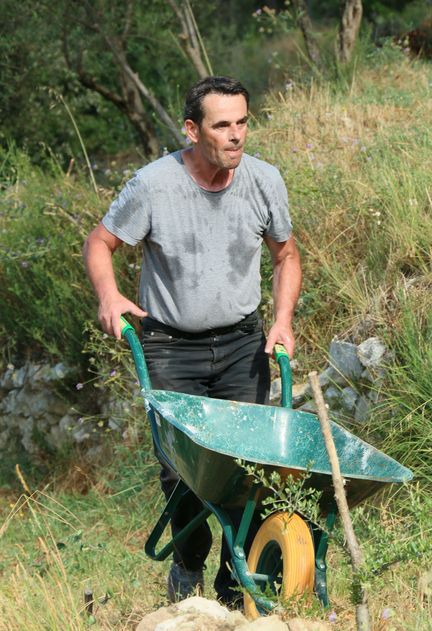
<point x="202" y="438"/>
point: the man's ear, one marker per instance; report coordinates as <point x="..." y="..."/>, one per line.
<point x="192" y="130"/>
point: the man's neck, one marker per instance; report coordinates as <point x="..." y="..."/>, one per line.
<point x="206" y="175"/>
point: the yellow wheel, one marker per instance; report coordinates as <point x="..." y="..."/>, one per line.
<point x="282" y="551"/>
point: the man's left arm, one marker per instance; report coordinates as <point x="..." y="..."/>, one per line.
<point x="286" y="290"/>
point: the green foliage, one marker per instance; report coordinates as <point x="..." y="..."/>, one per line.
<point x="404" y="422"/>
<point x="394" y="531"/>
<point x="289" y="493"/>
<point x="46" y="299"/>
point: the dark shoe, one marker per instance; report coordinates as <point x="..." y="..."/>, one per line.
<point x="182" y="583"/>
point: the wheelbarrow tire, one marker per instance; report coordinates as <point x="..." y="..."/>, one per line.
<point x="286" y="541"/>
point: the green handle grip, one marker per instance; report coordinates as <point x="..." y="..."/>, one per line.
<point x="128" y="332"/>
<point x="283" y="360"/>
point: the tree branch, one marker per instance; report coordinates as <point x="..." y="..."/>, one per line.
<point x="305" y="24"/>
<point x="189" y="40"/>
<point x="352" y="12"/>
<point x="362" y="612"/>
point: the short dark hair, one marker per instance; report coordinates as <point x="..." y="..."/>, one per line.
<point x="210" y="85"/>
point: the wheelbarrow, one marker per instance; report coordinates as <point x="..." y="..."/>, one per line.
<point x="205" y="440"/>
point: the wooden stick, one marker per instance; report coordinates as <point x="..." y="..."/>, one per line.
<point x="362" y="611"/>
<point x="88" y="601"/>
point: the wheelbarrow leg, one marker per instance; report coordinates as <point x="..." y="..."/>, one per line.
<point x="150" y="547"/>
<point x="236" y="541"/>
<point x="321" y="538"/>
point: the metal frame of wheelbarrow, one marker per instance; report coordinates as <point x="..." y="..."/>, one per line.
<point x="234" y="539"/>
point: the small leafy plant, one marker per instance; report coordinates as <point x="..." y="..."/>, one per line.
<point x="289" y="493"/>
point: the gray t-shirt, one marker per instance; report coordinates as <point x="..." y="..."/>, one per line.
<point x="201" y="250"/>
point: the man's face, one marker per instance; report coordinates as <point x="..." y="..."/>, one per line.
<point x="222" y="134"/>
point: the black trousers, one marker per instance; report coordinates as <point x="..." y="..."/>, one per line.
<point x="228" y="363"/>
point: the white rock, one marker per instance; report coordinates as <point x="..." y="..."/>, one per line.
<point x="151" y="620"/>
<point x="371" y="352"/>
<point x="300" y="391"/>
<point x="300" y="624"/>
<point x="204" y="606"/>
<point x="275" y="389"/>
<point x="269" y="623"/>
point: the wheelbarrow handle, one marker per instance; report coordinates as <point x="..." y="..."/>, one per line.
<point x="128" y="332"/>
<point x="283" y="360"/>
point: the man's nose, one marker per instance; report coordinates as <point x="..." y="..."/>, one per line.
<point x="234" y="135"/>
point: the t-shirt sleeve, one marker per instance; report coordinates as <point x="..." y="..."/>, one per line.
<point x="128" y="217"/>
<point x="279" y="225"/>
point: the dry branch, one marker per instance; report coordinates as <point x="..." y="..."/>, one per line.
<point x="362" y="611"/>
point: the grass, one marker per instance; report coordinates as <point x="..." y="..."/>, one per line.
<point x="56" y="543"/>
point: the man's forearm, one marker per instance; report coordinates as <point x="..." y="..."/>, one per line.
<point x="286" y="290"/>
<point x="286" y="287"/>
<point x="98" y="252"/>
<point x="99" y="266"/>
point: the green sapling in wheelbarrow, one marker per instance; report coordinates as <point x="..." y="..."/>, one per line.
<point x="203" y="439"/>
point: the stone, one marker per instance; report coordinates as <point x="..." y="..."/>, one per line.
<point x="113" y="425"/>
<point x="191" y="622"/>
<point x="60" y="371"/>
<point x="9" y="402"/>
<point x="300" y="624"/>
<point x="325" y="378"/>
<point x="362" y="410"/>
<point x="374" y="375"/>
<point x="46" y="401"/>
<point x="294" y="364"/>
<point x="299" y="392"/>
<point x="330" y="376"/>
<point x="373" y="395"/>
<point x="236" y="619"/>
<point x="348" y="399"/>
<point x="343" y="358"/>
<point x="35" y="373"/>
<point x="371" y="352"/>
<point x="333" y="396"/>
<point x="309" y="406"/>
<point x="269" y="623"/>
<point x="153" y="619"/>
<point x="6" y="382"/>
<point x="18" y="377"/>
<point x="66" y="423"/>
<point x="81" y="435"/>
<point x="275" y="389"/>
<point x="205" y="606"/>
<point x="4" y="439"/>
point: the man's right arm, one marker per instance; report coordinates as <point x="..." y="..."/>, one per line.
<point x="98" y="252"/>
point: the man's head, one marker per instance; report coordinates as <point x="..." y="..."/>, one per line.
<point x="194" y="109"/>
<point x="216" y="113"/>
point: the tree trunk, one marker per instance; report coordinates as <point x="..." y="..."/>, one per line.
<point x="190" y="39"/>
<point x="352" y="11"/>
<point x="131" y="90"/>
<point x="134" y="110"/>
<point x="305" y="24"/>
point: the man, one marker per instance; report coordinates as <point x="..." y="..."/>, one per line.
<point x="201" y="215"/>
